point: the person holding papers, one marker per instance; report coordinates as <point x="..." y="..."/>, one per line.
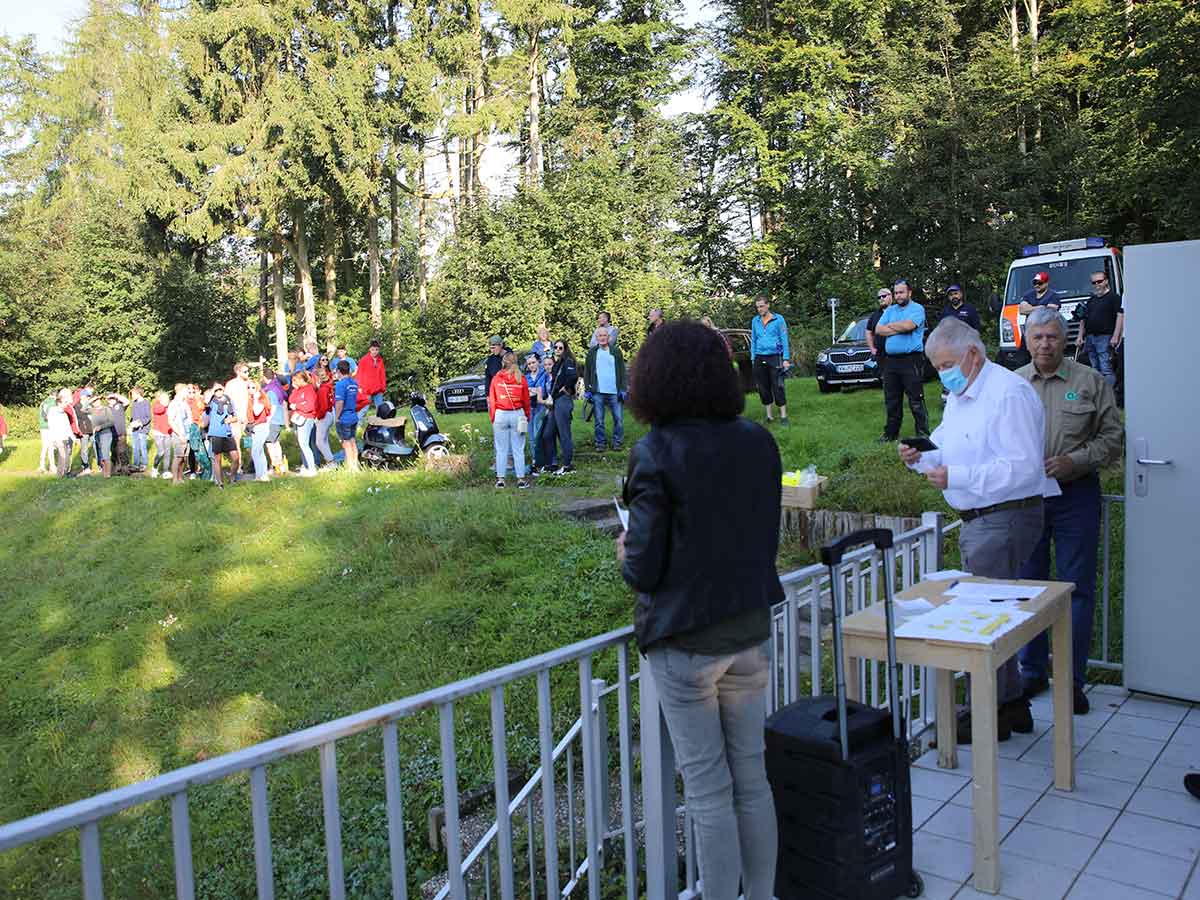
<point x="987" y="461"/>
<point x="1083" y="434"/>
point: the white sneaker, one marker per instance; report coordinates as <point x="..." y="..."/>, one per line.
<point x="308" y="473"/>
<point x="264" y="478"/>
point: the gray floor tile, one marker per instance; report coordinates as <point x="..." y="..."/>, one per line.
<point x="1018" y="744"/>
<point x="958" y="823"/>
<point x="1107" y="764"/>
<point x="943" y="857"/>
<point x="1089" y="887"/>
<point x="1031" y="776"/>
<point x="1128" y="744"/>
<point x="1080" y="734"/>
<point x="969" y="893"/>
<point x="1029" y="879"/>
<point x="1182" y="755"/>
<point x="1139" y="868"/>
<point x="1057" y="811"/>
<point x="1156" y="835"/>
<point x="1166" y="777"/>
<point x="1170" y="805"/>
<point x="1014" y="802"/>
<point x="1114" y="690"/>
<point x="1139" y="726"/>
<point x="937" y="888"/>
<point x="1167" y="710"/>
<point x="1058" y="848"/>
<point x="936" y="785"/>
<point x="1193" y="718"/>
<point x="922" y="809"/>
<point x="1042" y="753"/>
<point x="1187" y="734"/>
<point x="1095" y="789"/>
<point x="1192" y="892"/>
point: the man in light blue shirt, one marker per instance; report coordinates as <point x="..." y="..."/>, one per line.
<point x="902" y="327"/>
<point x="770" y="357"/>
<point x="604" y="388"/>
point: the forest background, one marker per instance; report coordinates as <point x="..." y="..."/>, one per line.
<point x="189" y="183"/>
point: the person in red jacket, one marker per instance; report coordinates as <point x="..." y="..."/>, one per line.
<point x="324" y="412"/>
<point x="371" y="376"/>
<point x="508" y="406"/>
<point x="302" y="401"/>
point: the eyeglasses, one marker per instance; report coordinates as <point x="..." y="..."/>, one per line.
<point x="1101" y="281"/>
<point x="559" y="347"/>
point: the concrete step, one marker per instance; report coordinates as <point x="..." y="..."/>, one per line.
<point x="588" y="509"/>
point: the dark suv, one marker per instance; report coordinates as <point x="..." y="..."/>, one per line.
<point x="848" y="361"/>
<point x="465" y="393"/>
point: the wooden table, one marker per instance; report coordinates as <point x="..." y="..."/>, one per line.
<point x="864" y="638"/>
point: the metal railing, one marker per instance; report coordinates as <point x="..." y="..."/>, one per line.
<point x="797" y="667"/>
<point x="1107" y="502"/>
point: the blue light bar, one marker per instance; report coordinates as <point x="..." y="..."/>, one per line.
<point x="1095" y="243"/>
<point x="1029" y="250"/>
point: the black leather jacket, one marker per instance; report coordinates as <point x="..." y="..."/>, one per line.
<point x="703" y="498"/>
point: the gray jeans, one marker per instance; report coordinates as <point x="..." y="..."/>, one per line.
<point x="997" y="545"/>
<point x="715" y="707"/>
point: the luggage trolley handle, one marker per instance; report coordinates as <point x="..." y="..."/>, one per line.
<point x="832" y="555"/>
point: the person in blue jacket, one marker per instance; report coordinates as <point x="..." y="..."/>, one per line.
<point x="770" y="358"/>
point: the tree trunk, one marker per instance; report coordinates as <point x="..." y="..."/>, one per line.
<point x="281" y="332"/>
<point x="373" y="260"/>
<point x="304" y="266"/>
<point x="394" y="224"/>
<point x="330" y="272"/>
<point x="451" y="190"/>
<point x="535" y="136"/>
<point x="1014" y="35"/>
<point x="422" y="289"/>
<point x="1033" y="13"/>
<point x="264" y="277"/>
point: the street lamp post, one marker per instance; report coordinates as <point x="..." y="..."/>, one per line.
<point x="833" y="305"/>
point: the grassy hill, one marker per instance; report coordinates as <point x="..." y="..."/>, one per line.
<point x="147" y="626"/>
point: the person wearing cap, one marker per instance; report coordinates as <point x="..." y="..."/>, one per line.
<point x="1038" y="295"/>
<point x="494" y="362"/>
<point x="874" y="342"/>
<point x="960" y="309"/>
<point x="1084" y="433"/>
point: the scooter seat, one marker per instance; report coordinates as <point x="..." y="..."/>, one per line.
<point x="394" y="422"/>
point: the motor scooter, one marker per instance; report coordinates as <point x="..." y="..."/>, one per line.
<point x="384" y="444"/>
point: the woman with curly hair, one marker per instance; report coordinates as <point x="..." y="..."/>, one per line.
<point x="703" y="496"/>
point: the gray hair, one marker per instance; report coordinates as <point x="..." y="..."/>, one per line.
<point x="955" y="335"/>
<point x="1046" y="315"/>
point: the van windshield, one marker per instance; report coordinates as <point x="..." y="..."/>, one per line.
<point x="1069" y="278"/>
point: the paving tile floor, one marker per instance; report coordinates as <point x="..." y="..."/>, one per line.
<point x="1129" y="830"/>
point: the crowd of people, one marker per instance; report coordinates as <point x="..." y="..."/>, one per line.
<point x="204" y="432"/>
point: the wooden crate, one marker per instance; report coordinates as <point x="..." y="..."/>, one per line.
<point x="798" y="497"/>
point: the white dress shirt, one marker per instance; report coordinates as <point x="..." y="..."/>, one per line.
<point x="990" y="441"/>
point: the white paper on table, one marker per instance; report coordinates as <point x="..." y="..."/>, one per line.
<point x="981" y="591"/>
<point x="913" y="607"/>
<point x="622" y="514"/>
<point x="962" y="624"/>
<point x="945" y="575"/>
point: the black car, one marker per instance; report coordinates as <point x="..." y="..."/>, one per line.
<point x="465" y="393"/>
<point x="848" y="361"/>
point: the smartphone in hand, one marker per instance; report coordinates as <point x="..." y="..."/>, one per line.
<point x="922" y="444"/>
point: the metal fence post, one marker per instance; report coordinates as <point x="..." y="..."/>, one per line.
<point x="931" y="544"/>
<point x="604" y="798"/>
<point x="658" y="795"/>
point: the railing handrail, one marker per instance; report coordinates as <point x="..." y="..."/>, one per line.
<point x="100" y="806"/>
<point x="807" y="573"/>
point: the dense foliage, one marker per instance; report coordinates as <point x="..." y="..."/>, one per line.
<point x="187" y="184"/>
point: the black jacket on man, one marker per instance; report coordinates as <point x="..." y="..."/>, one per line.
<point x="964" y="312"/>
<point x="703" y="498"/>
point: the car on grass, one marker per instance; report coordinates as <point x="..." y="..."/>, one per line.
<point x="848" y="362"/>
<point x="739" y="345"/>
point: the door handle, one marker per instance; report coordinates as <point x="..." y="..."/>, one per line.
<point x="1155" y="462"/>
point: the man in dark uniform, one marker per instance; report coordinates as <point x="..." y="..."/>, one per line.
<point x="875" y="342"/>
<point x="1103" y="326"/>
<point x="960" y="309"/>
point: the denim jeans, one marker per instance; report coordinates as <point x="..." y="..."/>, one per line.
<point x="323" y="426"/>
<point x="258" y="452"/>
<point x="103" y="440"/>
<point x="715" y="708"/>
<point x="601" y="402"/>
<point x="162" y="452"/>
<point x="1073" y="525"/>
<point x="508" y="441"/>
<point x="140" y="449"/>
<point x="304" y="434"/>
<point x="537" y="441"/>
<point x="998" y="545"/>
<point x="559" y="426"/>
<point x="1100" y="355"/>
<point x="85" y="450"/>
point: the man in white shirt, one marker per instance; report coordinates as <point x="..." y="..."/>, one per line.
<point x="989" y="466"/>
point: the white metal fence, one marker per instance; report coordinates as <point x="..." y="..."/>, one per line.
<point x="551" y="837"/>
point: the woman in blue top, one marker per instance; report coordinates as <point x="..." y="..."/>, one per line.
<point x="538" y="380"/>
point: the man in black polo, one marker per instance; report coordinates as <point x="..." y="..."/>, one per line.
<point x="1103" y="326"/>
<point x="874" y="341"/>
<point x="493" y="363"/>
<point x="960" y="309"/>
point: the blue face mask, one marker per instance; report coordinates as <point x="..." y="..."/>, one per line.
<point x="953" y="379"/>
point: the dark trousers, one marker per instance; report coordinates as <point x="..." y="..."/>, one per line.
<point x="768" y="375"/>
<point x="558" y="426"/>
<point x="904" y="375"/>
<point x="1073" y="526"/>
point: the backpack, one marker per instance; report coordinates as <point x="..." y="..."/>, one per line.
<point x="83" y="419"/>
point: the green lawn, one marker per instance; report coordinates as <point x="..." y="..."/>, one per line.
<point x="147" y="626"/>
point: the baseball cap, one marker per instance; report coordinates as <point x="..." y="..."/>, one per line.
<point x="495" y="341"/>
<point x="1041" y="278"/>
<point x="952" y="288"/>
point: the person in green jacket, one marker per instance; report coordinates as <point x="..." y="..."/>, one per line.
<point x="604" y="388"/>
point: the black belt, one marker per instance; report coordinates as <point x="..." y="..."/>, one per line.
<point x="969" y="514"/>
<point x="909" y="353"/>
